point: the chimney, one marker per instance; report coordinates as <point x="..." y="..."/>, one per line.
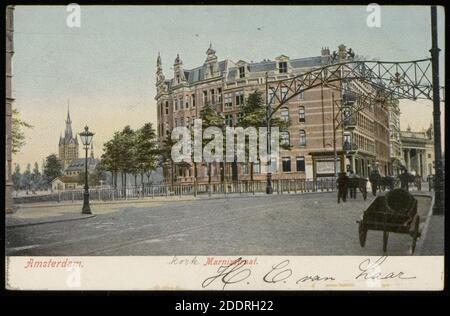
<point x="325" y="51"/>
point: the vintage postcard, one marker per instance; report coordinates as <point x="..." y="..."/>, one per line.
<point x="226" y="148"/>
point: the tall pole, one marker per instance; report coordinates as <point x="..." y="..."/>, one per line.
<point x="334" y="135"/>
<point x="269" y="189"/>
<point x="8" y="107"/>
<point x="438" y="208"/>
<point x="86" y="207"/>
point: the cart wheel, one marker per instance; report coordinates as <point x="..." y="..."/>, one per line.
<point x="415" y="234"/>
<point x="362" y="234"/>
<point x="385" y="240"/>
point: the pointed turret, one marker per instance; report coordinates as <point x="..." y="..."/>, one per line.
<point x="159" y="70"/>
<point x="61" y="139"/>
<point x="178" y="71"/>
<point x="211" y="67"/>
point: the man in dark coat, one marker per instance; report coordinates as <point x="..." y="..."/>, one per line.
<point x="342" y="183"/>
<point x="404" y="180"/>
<point x="375" y="180"/>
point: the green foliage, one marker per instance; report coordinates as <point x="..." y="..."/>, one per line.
<point x="131" y="151"/>
<point x="94" y="176"/>
<point x="16" y="178"/>
<point x="17" y="130"/>
<point x="52" y="168"/>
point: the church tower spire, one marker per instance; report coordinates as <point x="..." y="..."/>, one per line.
<point x="68" y="133"/>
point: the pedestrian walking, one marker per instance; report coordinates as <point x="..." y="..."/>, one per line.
<point x="353" y="184"/>
<point x="342" y="183"/>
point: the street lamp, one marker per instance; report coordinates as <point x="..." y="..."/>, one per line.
<point x="86" y="138"/>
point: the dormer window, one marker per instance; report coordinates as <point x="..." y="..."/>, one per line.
<point x="178" y="78"/>
<point x="282" y="67"/>
<point x="242" y="72"/>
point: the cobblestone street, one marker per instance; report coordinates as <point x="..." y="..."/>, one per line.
<point x="308" y="224"/>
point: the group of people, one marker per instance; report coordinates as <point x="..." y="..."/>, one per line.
<point x="345" y="183"/>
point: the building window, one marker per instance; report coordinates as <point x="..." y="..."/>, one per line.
<point x="284" y="114"/>
<point x="301" y="114"/>
<point x="239" y="98"/>
<point x="256" y="167"/>
<point x="301" y="95"/>
<point x="284" y="92"/>
<point x="282" y="67"/>
<point x="245" y="169"/>
<point x="167" y="107"/>
<point x="181" y="103"/>
<point x="284" y="138"/>
<point x="239" y="116"/>
<point x="213" y="96"/>
<point x="302" y="137"/>
<point x="176" y="105"/>
<point x="193" y="100"/>
<point x="229" y="120"/>
<point x="301" y="164"/>
<point x="241" y="72"/>
<point x="219" y="95"/>
<point x="205" y="97"/>
<point x="286" y="164"/>
<point x="228" y="100"/>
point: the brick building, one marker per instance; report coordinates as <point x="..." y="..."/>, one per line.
<point x="362" y="140"/>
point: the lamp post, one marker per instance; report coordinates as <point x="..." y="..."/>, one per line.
<point x="438" y="208"/>
<point x="86" y="138"/>
<point x="269" y="189"/>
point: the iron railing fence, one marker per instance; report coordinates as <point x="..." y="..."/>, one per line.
<point x="285" y="186"/>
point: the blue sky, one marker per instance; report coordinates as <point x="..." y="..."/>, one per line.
<point x="106" y="68"/>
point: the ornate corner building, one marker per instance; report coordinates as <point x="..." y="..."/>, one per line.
<point x="362" y="141"/>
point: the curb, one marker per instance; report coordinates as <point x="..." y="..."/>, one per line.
<point x="198" y="198"/>
<point x="49" y="222"/>
<point x="424" y="231"/>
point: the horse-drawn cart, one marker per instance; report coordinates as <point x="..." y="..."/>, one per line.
<point x="395" y="212"/>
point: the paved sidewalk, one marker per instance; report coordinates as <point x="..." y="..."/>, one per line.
<point x="433" y="243"/>
<point x="12" y="221"/>
<point x="44" y="214"/>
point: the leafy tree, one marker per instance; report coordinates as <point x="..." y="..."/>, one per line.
<point x="16" y="178"/>
<point x="211" y="117"/>
<point x="52" y="168"/>
<point x="254" y="115"/>
<point x="94" y="177"/>
<point x="110" y="159"/>
<point x="166" y="157"/>
<point x="26" y="180"/>
<point x="126" y="152"/>
<point x="146" y="153"/>
<point x="17" y="130"/>
<point x="36" y="177"/>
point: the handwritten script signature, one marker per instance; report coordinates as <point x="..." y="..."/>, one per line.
<point x="282" y="272"/>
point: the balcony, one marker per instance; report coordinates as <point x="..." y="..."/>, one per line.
<point x="349" y="146"/>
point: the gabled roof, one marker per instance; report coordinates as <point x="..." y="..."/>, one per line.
<point x="78" y="164"/>
<point x="66" y="179"/>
